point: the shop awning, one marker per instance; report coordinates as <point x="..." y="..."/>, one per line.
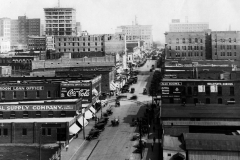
<point x="80" y="120"/>
<point x="94" y="92"/>
<point x="112" y="86"/>
<point x="74" y="129"/>
<point x="88" y="114"/>
<point x="92" y="110"/>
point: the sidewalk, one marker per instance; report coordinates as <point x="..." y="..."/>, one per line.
<point x="76" y="143"/>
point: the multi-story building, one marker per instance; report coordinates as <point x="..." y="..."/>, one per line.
<point x="21" y="29"/>
<point x="225" y="45"/>
<point x="60" y="21"/>
<point x="4" y="45"/>
<point x="5" y="28"/>
<point x="36" y="43"/>
<point x="177" y="26"/>
<point x="137" y="33"/>
<point x="186" y="45"/>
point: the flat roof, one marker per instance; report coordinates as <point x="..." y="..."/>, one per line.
<point x="172" y="143"/>
<point x="38" y="120"/>
<point x="211" y="142"/>
<point x="42" y="101"/>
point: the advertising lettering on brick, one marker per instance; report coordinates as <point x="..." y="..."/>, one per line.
<point x="171" y="90"/>
<point x="77" y="89"/>
<point x="8" y="107"/>
<point x="21" y="88"/>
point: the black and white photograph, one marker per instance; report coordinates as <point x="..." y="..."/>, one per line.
<point x="119" y="80"/>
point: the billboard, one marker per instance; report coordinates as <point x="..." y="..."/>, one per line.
<point x="77" y="89"/>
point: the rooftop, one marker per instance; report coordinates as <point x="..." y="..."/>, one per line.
<point x="172" y="143"/>
<point x="211" y="142"/>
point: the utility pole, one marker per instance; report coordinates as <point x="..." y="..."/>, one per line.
<point x="83" y="124"/>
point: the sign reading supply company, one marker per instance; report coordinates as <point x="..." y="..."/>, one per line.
<point x="77" y="89"/>
<point x="21" y="88"/>
<point x="18" y="107"/>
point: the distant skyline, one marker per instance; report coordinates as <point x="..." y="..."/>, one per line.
<point x="103" y="16"/>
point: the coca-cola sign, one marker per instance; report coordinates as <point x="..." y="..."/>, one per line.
<point x="75" y="90"/>
<point x="80" y="93"/>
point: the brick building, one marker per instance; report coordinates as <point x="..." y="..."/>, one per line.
<point x="36" y="43"/>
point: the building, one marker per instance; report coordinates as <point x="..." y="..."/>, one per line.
<point x="4" y="45"/>
<point x="5" y="28"/>
<point x="36" y="43"/>
<point x="5" y="71"/>
<point x="212" y="146"/>
<point x="172" y="148"/>
<point x="225" y="45"/>
<point x="90" y="43"/>
<point x="137" y="33"/>
<point x="21" y="29"/>
<point x="177" y="26"/>
<point x="78" y="29"/>
<point x="186" y="45"/>
<point x="60" y="21"/>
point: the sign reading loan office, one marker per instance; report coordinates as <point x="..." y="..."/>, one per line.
<point x="18" y="107"/>
<point x="21" y="88"/>
<point x="77" y="89"/>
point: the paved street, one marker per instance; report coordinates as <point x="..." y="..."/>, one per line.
<point x="114" y="143"/>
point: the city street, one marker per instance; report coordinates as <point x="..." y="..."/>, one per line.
<point x="115" y="142"/>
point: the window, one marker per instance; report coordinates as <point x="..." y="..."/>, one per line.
<point x="25" y="94"/>
<point x="231" y="90"/>
<point x="169" y="47"/>
<point x="37" y="94"/>
<point x="207" y="100"/>
<point x="195" y="90"/>
<point x="201" y="41"/>
<point x="5" y="131"/>
<point x="43" y="131"/>
<point x="195" y="100"/>
<point x="177" y="40"/>
<point x="49" y="94"/>
<point x="83" y="44"/>
<point x="169" y="41"/>
<point x="219" y="100"/>
<point x="38" y="114"/>
<point x="169" y="154"/>
<point x="1" y="114"/>
<point x="50" y="113"/>
<point x="207" y="90"/>
<point x="183" y="40"/>
<point x="25" y="114"/>
<point x="190" y="40"/>
<point x="189" y="90"/>
<point x="235" y="54"/>
<point x="49" y="132"/>
<point x="235" y="40"/>
<point x="63" y="113"/>
<point x="14" y="94"/>
<point x="12" y="114"/>
<point x="95" y="43"/>
<point x="201" y="47"/>
<point x="235" y="47"/>
<point x="196" y="40"/>
<point x="88" y="44"/>
<point x="24" y="131"/>
<point x="88" y="49"/>
<point x="176" y="47"/>
<point x="229" y="40"/>
<point x="3" y="94"/>
<point x="219" y="90"/>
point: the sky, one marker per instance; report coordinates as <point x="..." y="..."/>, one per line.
<point x="103" y="16"/>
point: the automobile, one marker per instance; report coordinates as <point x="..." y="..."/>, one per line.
<point x="132" y="90"/>
<point x="134" y="97"/>
<point x="94" y="133"/>
<point x="115" y="122"/>
<point x="117" y="104"/>
<point x="124" y="90"/>
<point x="144" y="91"/>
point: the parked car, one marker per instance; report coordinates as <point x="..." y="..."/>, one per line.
<point x="132" y="90"/>
<point x="144" y="91"/>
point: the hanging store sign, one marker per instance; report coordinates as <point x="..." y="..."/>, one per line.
<point x="74" y="90"/>
<point x="8" y="107"/>
<point x="21" y="88"/>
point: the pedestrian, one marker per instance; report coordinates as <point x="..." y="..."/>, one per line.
<point x="154" y="140"/>
<point x="153" y="128"/>
<point x="152" y="147"/>
<point x="67" y="147"/>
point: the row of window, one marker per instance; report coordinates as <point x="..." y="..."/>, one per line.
<point x="228" y="46"/>
<point x="190" y="40"/>
<point x="228" y="54"/>
<point x="78" y="50"/>
<point x="207" y="90"/>
<point x="45" y="131"/>
<point x="82" y="39"/>
<point x="185" y="54"/>
<point x="77" y="44"/>
<point x="207" y="100"/>
<point x="223" y="40"/>
<point x="25" y="94"/>
<point x="189" y="48"/>
<point x="38" y="114"/>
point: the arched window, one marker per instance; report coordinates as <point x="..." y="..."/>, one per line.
<point x="177" y="40"/>
<point x="207" y="100"/>
<point x="196" y="40"/>
<point x="183" y="40"/>
<point x="169" y="41"/>
<point x="219" y="100"/>
<point x="190" y="40"/>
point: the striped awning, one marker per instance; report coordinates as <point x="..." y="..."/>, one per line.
<point x="113" y="86"/>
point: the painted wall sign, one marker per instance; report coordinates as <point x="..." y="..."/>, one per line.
<point x="80" y="89"/>
<point x="220" y="84"/>
<point x="36" y="107"/>
<point x="201" y="123"/>
<point x="21" y="88"/>
<point x="171" y="83"/>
